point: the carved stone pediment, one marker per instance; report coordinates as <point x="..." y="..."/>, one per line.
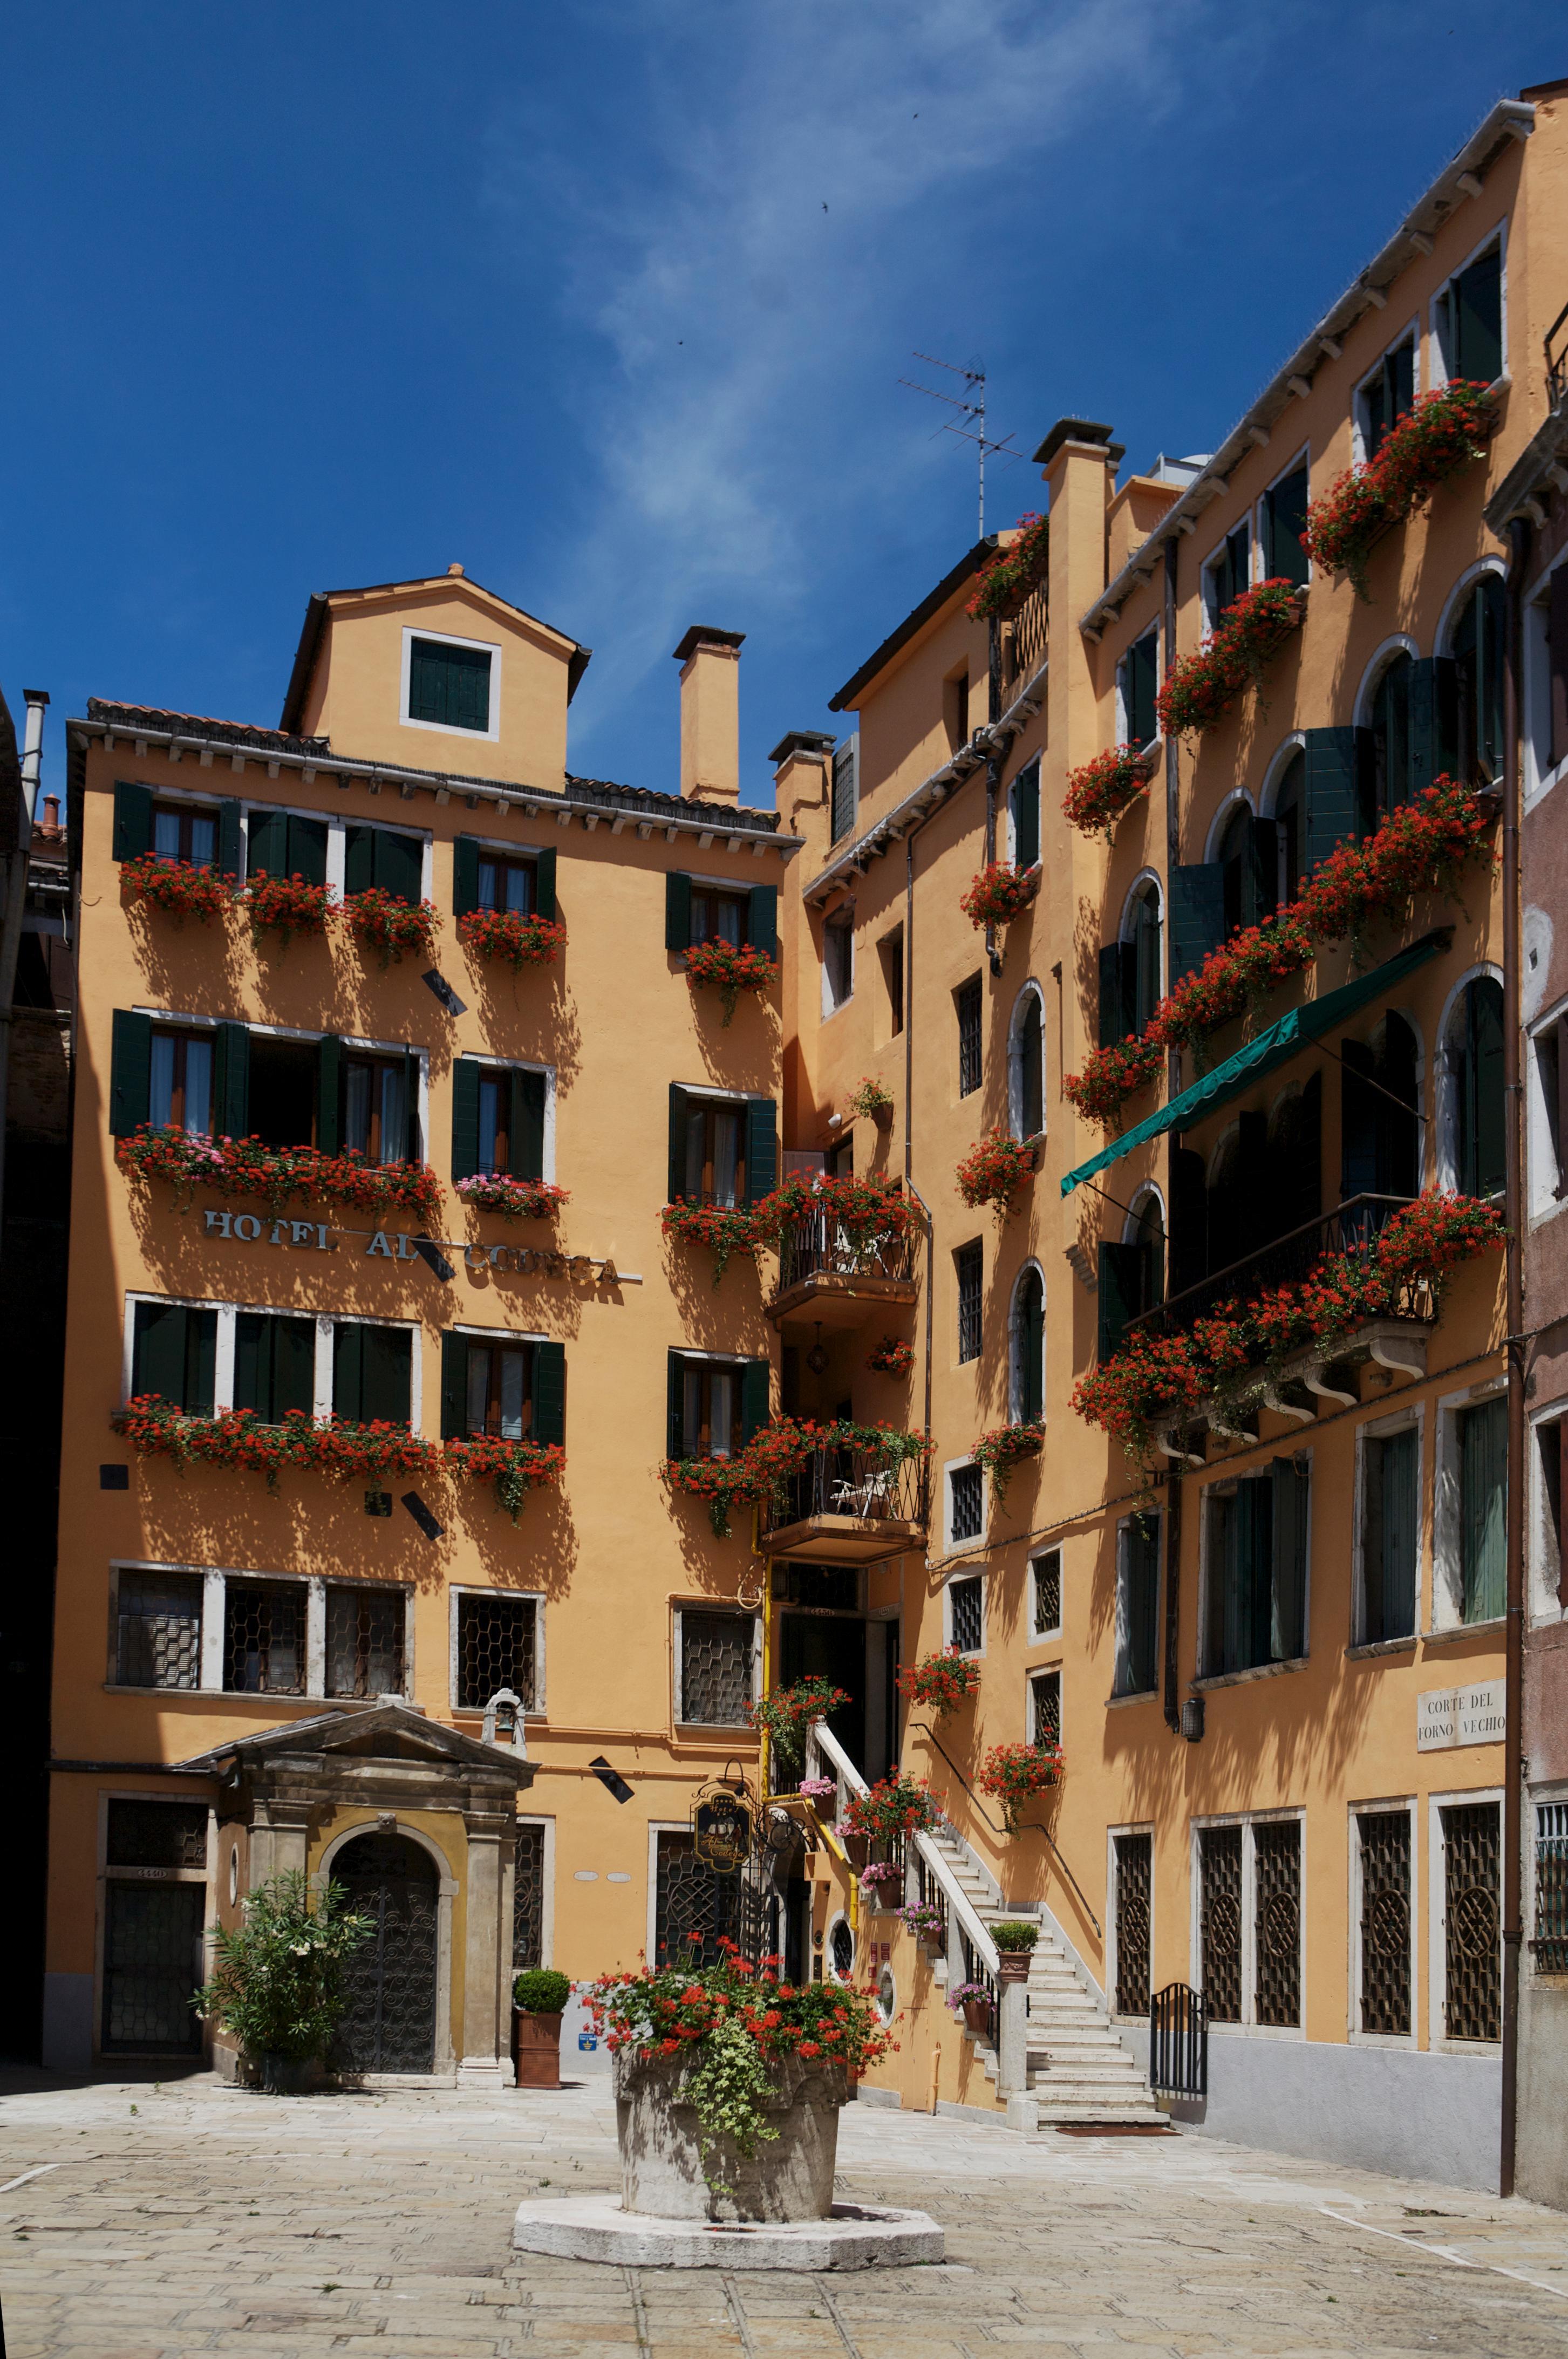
<point x="355" y="1737"/>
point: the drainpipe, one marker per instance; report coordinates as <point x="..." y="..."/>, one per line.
<point x="909" y="1187"/>
<point x="1172" y="1085"/>
<point x="1513" y="1687"/>
<point x="993" y="768"/>
<point x="15" y="903"/>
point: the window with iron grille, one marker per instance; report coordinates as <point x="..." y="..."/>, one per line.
<point x="1277" y="1870"/>
<point x="157" y="1834"/>
<point x="1385" y="1843"/>
<point x="1219" y="1869"/>
<point x="528" y="1901"/>
<point x="1134" y="1884"/>
<point x="1046" y="1573"/>
<point x="264" y="1638"/>
<point x="716" y="1667"/>
<point x="967" y="1003"/>
<point x="497" y="1648"/>
<point x="966" y="1609"/>
<point x="967" y="1520"/>
<point x="1550" y="1946"/>
<point x="1471" y="1857"/>
<point x="364" y="1640"/>
<point x="969" y="1263"/>
<point x="1045" y="1708"/>
<point x="158" y="1637"/>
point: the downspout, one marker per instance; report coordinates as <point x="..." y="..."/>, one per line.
<point x="993" y="767"/>
<point x="909" y="1086"/>
<point x="1513" y="1684"/>
<point x="14" y="914"/>
<point x="1172" y="1085"/>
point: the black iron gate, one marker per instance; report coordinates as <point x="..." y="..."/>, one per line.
<point x="695" y="1906"/>
<point x="391" y="2025"/>
<point x="1178" y="2042"/>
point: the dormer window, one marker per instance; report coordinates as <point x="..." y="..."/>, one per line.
<point x="450" y="683"/>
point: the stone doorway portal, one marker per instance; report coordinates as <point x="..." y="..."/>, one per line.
<point x="390" y="2026"/>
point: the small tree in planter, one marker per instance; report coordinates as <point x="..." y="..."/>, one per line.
<point x="288" y="906"/>
<point x="999" y="894"/>
<point x="278" y="1984"/>
<point x="1004" y="1450"/>
<point x="539" y="2002"/>
<point x="1015" y="1773"/>
<point x="1015" y="1938"/>
<point x="789" y="1711"/>
<point x="384" y="922"/>
<point x="729" y="969"/>
<point x="943" y="1682"/>
<point x="508" y="936"/>
<point x="994" y="1171"/>
<point x="176" y="888"/>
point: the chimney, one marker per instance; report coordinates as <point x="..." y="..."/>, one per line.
<point x="710" y="714"/>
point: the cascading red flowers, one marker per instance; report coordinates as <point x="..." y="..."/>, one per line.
<point x="507" y="936"/>
<point x="730" y="968"/>
<point x="723" y="1229"/>
<point x="942" y="1682"/>
<point x="1014" y="1775"/>
<point x="1200" y="690"/>
<point x="386" y="924"/>
<point x="512" y="1468"/>
<point x="999" y="893"/>
<point x="289" y="907"/>
<point x="272" y="1175"/>
<point x="1421" y="847"/>
<point x="896" y="1806"/>
<point x="1441" y="431"/>
<point x="515" y="1200"/>
<point x="758" y="1470"/>
<point x="1099" y="791"/>
<point x="176" y="888"/>
<point x="891" y="1357"/>
<point x="1009" y="576"/>
<point x="994" y="1171"/>
<point x="1004" y="1449"/>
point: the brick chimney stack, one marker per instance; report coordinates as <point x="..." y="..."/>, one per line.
<point x="710" y="714"/>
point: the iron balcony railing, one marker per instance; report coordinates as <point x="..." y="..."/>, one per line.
<point x="1178" y="2042"/>
<point x="1024" y="642"/>
<point x="868" y="1484"/>
<point x="1353" y="1227"/>
<point x="820" y="1246"/>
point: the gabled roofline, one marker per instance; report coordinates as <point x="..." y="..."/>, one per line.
<point x="315" y="623"/>
<point x="931" y="604"/>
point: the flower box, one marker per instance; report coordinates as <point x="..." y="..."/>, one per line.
<point x="386" y="924"/>
<point x="943" y="1682"/>
<point x="729" y="969"/>
<point x="288" y="907"/>
<point x="1007" y="579"/>
<point x="507" y="936"/>
<point x="896" y="1806"/>
<point x="1200" y="690"/>
<point x="994" y="1171"/>
<point x="1101" y="790"/>
<point x="724" y="1229"/>
<point x="999" y="893"/>
<point x="891" y="1357"/>
<point x="272" y="1175"/>
<point x="515" y="1200"/>
<point x="1443" y="431"/>
<point x="1013" y="1775"/>
<point x="512" y="1468"/>
<point x="176" y="888"/>
<point x="1004" y="1450"/>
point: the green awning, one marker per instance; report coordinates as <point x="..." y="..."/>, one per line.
<point x="1281" y="1041"/>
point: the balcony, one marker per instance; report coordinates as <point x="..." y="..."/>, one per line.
<point x="1024" y="634"/>
<point x="848" y="1505"/>
<point x="830" y="1277"/>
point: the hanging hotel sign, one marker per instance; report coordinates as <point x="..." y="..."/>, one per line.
<point x="721" y="1828"/>
<point x="1446" y="1717"/>
<point x="398" y="1244"/>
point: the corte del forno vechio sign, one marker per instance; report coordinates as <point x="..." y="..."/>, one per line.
<point x="399" y="1244"/>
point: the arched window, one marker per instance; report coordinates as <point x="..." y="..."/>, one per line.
<point x="1291" y="819"/>
<point x="1027" y="1078"/>
<point x="1475" y="1062"/>
<point x="1393" y="772"/>
<point x="1029" y="1348"/>
<point x="1476" y="642"/>
<point x="1249" y="895"/>
<point x="1146" y="962"/>
<point x="1148" y="1234"/>
<point x="1379" y="1144"/>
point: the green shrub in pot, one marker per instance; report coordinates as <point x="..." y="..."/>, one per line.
<point x="542" y="1991"/>
<point x="1015" y="1935"/>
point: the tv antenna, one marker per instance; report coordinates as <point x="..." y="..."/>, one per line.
<point x="970" y="423"/>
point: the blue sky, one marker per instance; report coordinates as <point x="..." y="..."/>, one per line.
<point x="610" y="302"/>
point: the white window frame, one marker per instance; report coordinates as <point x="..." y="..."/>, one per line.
<point x="216" y="1579"/>
<point x="1408" y="335"/>
<point x="1542" y="1201"/>
<point x="1134" y="1827"/>
<point x="1378" y="1429"/>
<point x="1037" y="1635"/>
<point x="1299" y="459"/>
<point x="1249" y="1821"/>
<point x="1541" y="1607"/>
<point x="1119" y="1696"/>
<point x="538" y="1709"/>
<point x="951" y="1547"/>
<point x="1152" y="631"/>
<point x="1027" y="991"/>
<point x="533" y="1065"/>
<point x="1438" y="2041"/>
<point x="1436" y="359"/>
<point x="713" y="1608"/>
<point x="1445" y="1141"/>
<point x="1445" y="1611"/>
<point x="1211" y="563"/>
<point x="224" y="1369"/>
<point x="1391" y="1807"/>
<point x="1540" y="774"/>
<point x="966" y="1572"/>
<point x="492" y="647"/>
<point x="1015" y="1342"/>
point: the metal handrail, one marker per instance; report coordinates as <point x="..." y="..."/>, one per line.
<point x="1348" y="1232"/>
<point x="821" y="1736"/>
<point x="981" y="1811"/>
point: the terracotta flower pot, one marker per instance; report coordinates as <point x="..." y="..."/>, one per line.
<point x="535" y="2050"/>
<point x="978" y="2016"/>
<point x="1013" y="1965"/>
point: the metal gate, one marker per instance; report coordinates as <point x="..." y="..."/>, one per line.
<point x="694" y="1906"/>
<point x="390" y="2023"/>
<point x="152" y="1966"/>
<point x="1178" y="2042"/>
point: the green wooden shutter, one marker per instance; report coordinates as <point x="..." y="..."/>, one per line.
<point x="157" y="1350"/>
<point x="329" y="1093"/>
<point x="1118" y="978"/>
<point x="677" y="910"/>
<point x="268" y="845"/>
<point x="1334" y="761"/>
<point x="544" y="882"/>
<point x="1142" y="1602"/>
<point x="1139" y="690"/>
<point x="1358" y="1109"/>
<point x="761" y="1149"/>
<point x="348" y="1370"/>
<point x="676" y="1142"/>
<point x="550" y="1393"/>
<point x="1188" y="1241"/>
<point x="130" y="1072"/>
<point x="253" y="1387"/>
<point x="413" y="1140"/>
<point x="1026" y="817"/>
<point x="754" y="1383"/>
<point x="1478" y="309"/>
<point x="675" y="1413"/>
<point x="1117" y="1300"/>
<point x="293" y="1365"/>
<point x="454" y="1386"/>
<point x="389" y="1365"/>
<point x="464" y="875"/>
<point x="763" y="929"/>
<point x="399" y="863"/>
<point x="1285" y="520"/>
<point x="1482" y="1492"/>
<point x="527" y="1125"/>
<point x="1435" y="716"/>
<point x="1287" y="1629"/>
<point x="231" y="839"/>
<point x="359" y="859"/>
<point x="133" y="821"/>
<point x="1197" y="915"/>
<point x="1032" y="1348"/>
<point x="1260" y="873"/>
<point x="307" y="841"/>
<point x="1484" y="1149"/>
<point x="231" y="1081"/>
<point x="464" y="1117"/>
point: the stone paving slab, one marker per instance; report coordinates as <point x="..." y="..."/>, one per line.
<point x="189" y="2217"/>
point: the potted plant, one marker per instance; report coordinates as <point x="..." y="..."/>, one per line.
<point x="1007" y="579"/>
<point x="880" y="1883"/>
<point x="896" y="1806"/>
<point x="729" y="969"/>
<point x="926" y="1922"/>
<point x="1098" y="791"/>
<point x="1004" y="1449"/>
<point x="891" y="1357"/>
<point x="278" y="1984"/>
<point x="728" y="2083"/>
<point x="973" y="2002"/>
<point x="788" y="1713"/>
<point x="1014" y="1774"/>
<point x="539" y="2002"/>
<point x="1015" y="1938"/>
<point x="515" y="1200"/>
<point x="999" y="893"/>
<point x="994" y="1170"/>
<point x="942" y="1682"/>
<point x="871" y="1102"/>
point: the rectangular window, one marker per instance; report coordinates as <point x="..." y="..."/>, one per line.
<point x="1390" y="1534"/>
<point x="511" y="1121"/>
<point x="385" y="857"/>
<point x="497" y="1648"/>
<point x="449" y="686"/>
<point x="890" y="951"/>
<point x="1552" y="1079"/>
<point x="1548" y="1946"/>
<point x="1227" y="573"/>
<point x="151" y="1833"/>
<point x="264" y="1638"/>
<point x="1284" y="521"/>
<point x="506" y="884"/>
<point x="174" y="1353"/>
<point x="1386" y="395"/>
<point x="715" y="1668"/>
<point x="1277" y="1921"/>
<point x="1138" y="1605"/>
<point x="1470" y="320"/>
<point x="968" y="1489"/>
<point x="282" y="1091"/>
<point x="956" y="711"/>
<point x="274" y="1365"/>
<point x="1383" y="1839"/>
<point x="968" y="1263"/>
<point x="838" y="962"/>
<point x="1219" y="1920"/>
<point x="180" y="833"/>
<point x="1551" y="1441"/>
<point x="967" y="1003"/>
<point x="721" y="916"/>
<point x="1136" y="682"/>
<point x="365" y="1636"/>
<point x="715" y="1152"/>
<point x="1024" y="797"/>
<point x="499" y="1396"/>
<point x="1482" y="1434"/>
<point x="159" y="1630"/>
<point x="1046" y="1574"/>
<point x="966" y="1599"/>
<point x="1257" y="1573"/>
<point x="373" y="1374"/>
<point x="845" y="786"/>
<point x="1045" y="1708"/>
<point x="179" y="1095"/>
<point x="1472" y="1858"/>
<point x="377" y="1107"/>
<point x="708" y="1409"/>
<point x="527" y="1899"/>
<point x="1134" y="1898"/>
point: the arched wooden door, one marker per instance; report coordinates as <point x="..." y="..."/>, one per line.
<point x="391" y="2025"/>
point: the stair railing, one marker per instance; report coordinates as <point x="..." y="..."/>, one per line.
<point x="980" y="1813"/>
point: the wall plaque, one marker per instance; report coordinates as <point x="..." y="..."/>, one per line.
<point x="1446" y="1717"/>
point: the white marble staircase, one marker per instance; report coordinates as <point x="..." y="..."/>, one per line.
<point x="1078" y="2069"/>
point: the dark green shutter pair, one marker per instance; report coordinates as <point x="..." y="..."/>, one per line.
<point x="762" y="915"/>
<point x="1141" y="1604"/>
<point x="1138" y="673"/>
<point x="285" y="844"/>
<point x="449" y="686"/>
<point x="1483" y="1150"/>
<point x="761" y="1143"/>
<point x="1284" y="521"/>
<point x="133" y="828"/>
<point x="1483" y="1497"/>
<point x="754" y="1403"/>
<point x="372" y="1373"/>
<point x="274" y="1364"/>
<point x="130" y="1076"/>
<point x="1123" y="1291"/>
<point x="1257" y="1605"/>
<point x="465" y="858"/>
<point x="1026" y="817"/>
<point x="174" y="1353"/>
<point x="524" y="1125"/>
<point x="547" y="1424"/>
<point x="1032" y="1348"/>
<point x="383" y="856"/>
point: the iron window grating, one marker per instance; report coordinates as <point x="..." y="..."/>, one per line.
<point x="967" y="1494"/>
<point x="264" y="1638"/>
<point x="969" y="1263"/>
<point x="158" y="1629"/>
<point x="1219" y="1868"/>
<point x="716" y="1652"/>
<point x="365" y="1641"/>
<point x="1471" y="1864"/>
<point x="1047" y="1573"/>
<point x="1550" y="1946"/>
<point x="155" y="1833"/>
<point x="497" y="1648"/>
<point x="1383" y="1839"/>
<point x="966" y="1608"/>
<point x="1276" y="1919"/>
<point x="1134" y="1888"/>
<point x="1045" y="1708"/>
<point x="527" y="1899"/>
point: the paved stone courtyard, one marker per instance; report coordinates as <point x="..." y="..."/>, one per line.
<point x="143" y="2219"/>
